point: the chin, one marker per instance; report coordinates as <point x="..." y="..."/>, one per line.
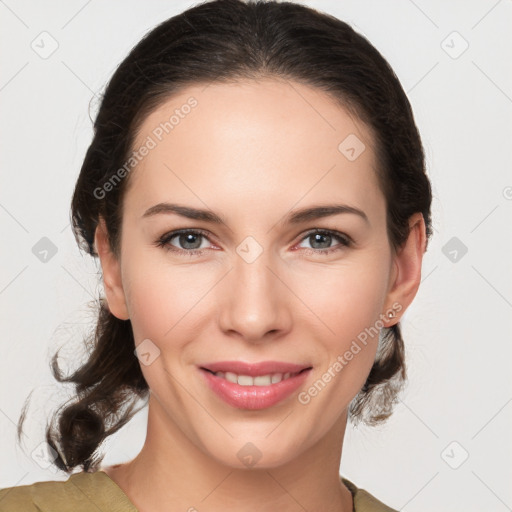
<point x="258" y="454"/>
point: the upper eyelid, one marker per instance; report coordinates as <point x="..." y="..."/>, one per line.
<point x="332" y="232"/>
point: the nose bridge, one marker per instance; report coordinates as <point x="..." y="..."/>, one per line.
<point x="254" y="303"/>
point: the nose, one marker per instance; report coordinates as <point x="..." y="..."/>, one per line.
<point x="254" y="301"/>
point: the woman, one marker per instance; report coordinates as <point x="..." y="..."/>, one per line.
<point x="256" y="194"/>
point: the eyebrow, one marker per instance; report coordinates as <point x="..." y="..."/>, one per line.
<point x="294" y="217"/>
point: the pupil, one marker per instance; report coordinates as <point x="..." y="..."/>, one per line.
<point x="189" y="238"/>
<point x="318" y="237"/>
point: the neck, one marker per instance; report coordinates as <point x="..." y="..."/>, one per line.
<point x="173" y="473"/>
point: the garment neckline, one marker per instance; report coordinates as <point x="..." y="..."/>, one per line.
<point x="350" y="486"/>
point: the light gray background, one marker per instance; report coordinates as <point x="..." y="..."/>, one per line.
<point x="458" y="330"/>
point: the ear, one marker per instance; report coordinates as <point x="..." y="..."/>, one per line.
<point x="406" y="275"/>
<point x="111" y="273"/>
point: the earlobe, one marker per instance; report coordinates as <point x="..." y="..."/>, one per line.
<point x="111" y="270"/>
<point x="407" y="273"/>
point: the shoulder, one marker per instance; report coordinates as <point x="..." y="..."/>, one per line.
<point x="81" y="492"/>
<point x="364" y="501"/>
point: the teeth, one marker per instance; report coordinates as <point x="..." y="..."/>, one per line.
<point x="260" y="380"/>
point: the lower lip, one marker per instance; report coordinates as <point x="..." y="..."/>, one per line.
<point x="253" y="397"/>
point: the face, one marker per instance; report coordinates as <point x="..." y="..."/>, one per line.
<point x="254" y="283"/>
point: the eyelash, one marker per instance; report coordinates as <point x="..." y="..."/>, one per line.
<point x="345" y="241"/>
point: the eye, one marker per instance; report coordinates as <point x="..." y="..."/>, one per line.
<point x="188" y="239"/>
<point x="191" y="240"/>
<point x="323" y="238"/>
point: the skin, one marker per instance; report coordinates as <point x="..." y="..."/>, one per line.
<point x="252" y="152"/>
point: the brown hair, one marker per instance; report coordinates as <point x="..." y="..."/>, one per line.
<point x="216" y="41"/>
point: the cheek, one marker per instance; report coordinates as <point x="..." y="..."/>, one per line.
<point x="160" y="296"/>
<point x="348" y="304"/>
<point x="347" y="299"/>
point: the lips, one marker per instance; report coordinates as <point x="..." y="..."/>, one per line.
<point x="232" y="381"/>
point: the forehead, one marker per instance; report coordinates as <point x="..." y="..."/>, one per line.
<point x="262" y="143"/>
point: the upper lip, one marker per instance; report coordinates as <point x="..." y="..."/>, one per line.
<point x="254" y="369"/>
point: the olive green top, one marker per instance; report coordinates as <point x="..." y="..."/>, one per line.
<point x="95" y="492"/>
